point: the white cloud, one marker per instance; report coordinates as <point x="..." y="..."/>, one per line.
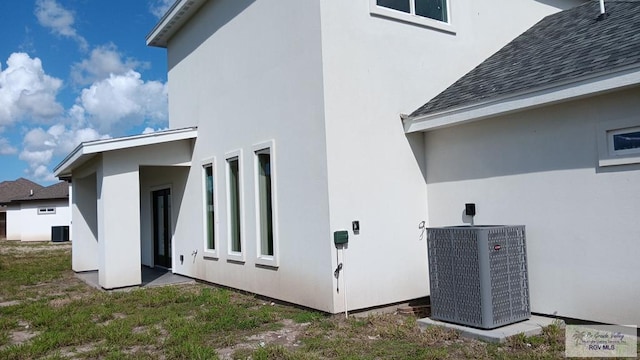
<point x="26" y="91"/>
<point x="6" y="148"/>
<point x="150" y="130"/>
<point x="159" y="7"/>
<point x="40" y="146"/>
<point x="52" y="15"/>
<point x="104" y="61"/>
<point x="121" y="102"/>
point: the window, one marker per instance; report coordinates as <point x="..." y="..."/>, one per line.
<point x="625" y="141"/>
<point x="619" y="142"/>
<point x="235" y="203"/>
<point x="46" y="210"/>
<point x="209" y="206"/>
<point x="432" y="9"/>
<point x="265" y="202"/>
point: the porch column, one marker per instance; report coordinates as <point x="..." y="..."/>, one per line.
<point x="119" y="222"/>
<point x="84" y="230"/>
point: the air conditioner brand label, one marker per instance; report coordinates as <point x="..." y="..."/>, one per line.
<point x="497" y="247"/>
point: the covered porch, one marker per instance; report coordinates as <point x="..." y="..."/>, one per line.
<point x="127" y="193"/>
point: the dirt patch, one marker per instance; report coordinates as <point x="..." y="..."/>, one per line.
<point x="23" y="334"/>
<point x="20" y="248"/>
<point x="286" y="337"/>
<point x="9" y="303"/>
<point x="73" y="351"/>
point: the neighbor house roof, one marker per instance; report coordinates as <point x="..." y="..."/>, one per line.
<point x="59" y="190"/>
<point x="172" y="21"/>
<point x="21" y="187"/>
<point x="575" y="46"/>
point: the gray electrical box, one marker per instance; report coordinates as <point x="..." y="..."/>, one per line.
<point x="478" y="275"/>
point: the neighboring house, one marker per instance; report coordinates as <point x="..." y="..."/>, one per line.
<point x="546" y="133"/>
<point x="28" y="210"/>
<point x="285" y="128"/>
<point x="10" y="190"/>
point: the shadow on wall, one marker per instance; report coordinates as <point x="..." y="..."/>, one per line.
<point x="558" y="137"/>
<point x="218" y="14"/>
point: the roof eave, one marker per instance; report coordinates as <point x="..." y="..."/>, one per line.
<point x="556" y="93"/>
<point x="85" y="151"/>
<point x="179" y="13"/>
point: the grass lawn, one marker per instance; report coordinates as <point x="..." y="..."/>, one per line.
<point x="46" y="312"/>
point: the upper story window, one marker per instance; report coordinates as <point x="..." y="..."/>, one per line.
<point x="432" y="9"/>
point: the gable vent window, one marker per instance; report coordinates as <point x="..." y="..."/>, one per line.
<point x="432" y="9"/>
<point x="46" y="210"/>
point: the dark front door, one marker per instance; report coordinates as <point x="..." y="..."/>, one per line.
<point x="162" y="227"/>
<point x="3" y="225"/>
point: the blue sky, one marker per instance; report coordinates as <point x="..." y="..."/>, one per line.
<point x="74" y="71"/>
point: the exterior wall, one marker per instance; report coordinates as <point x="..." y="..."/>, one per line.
<point x="84" y="254"/>
<point x="540" y="168"/>
<point x="14" y="222"/>
<point x="374" y="69"/>
<point x="24" y="223"/>
<point x="246" y="72"/>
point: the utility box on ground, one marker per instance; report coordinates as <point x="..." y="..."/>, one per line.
<point x="478" y="275"/>
<point x="59" y="233"/>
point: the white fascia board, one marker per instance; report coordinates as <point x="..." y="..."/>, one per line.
<point x="179" y="13"/>
<point x="523" y="101"/>
<point x="87" y="150"/>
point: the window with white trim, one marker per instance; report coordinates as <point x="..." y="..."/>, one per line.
<point x="46" y="211"/>
<point x="619" y="142"/>
<point x="431" y="9"/>
<point x="266" y="203"/>
<point x="624" y="141"/>
<point x="208" y="172"/>
<point x="234" y="198"/>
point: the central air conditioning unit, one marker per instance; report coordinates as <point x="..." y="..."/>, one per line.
<point x="478" y="275"/>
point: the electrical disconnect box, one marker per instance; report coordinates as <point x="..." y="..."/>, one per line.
<point x="478" y="275"/>
<point x="340" y="237"/>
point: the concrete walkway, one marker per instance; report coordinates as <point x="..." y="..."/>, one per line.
<point x="150" y="277"/>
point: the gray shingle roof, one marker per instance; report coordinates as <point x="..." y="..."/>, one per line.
<point x="562" y="47"/>
<point x="21" y="187"/>
<point x="55" y="191"/>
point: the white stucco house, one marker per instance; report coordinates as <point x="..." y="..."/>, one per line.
<point x="29" y="211"/>
<point x="285" y="128"/>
